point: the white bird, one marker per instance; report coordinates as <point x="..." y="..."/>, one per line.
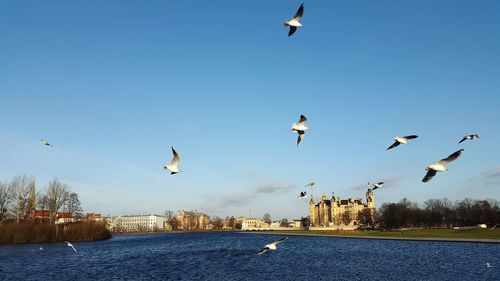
<point x="303" y="195"/>
<point x="271" y="246"/>
<point x="41" y="248"/>
<point x="173" y="166"/>
<point x="45" y="142"/>
<point x="439" y="166"/>
<point x="469" y="137"/>
<point x="70" y="245"/>
<point x="376" y="185"/>
<point x="301" y="128"/>
<point x="294" y="23"/>
<point x="401" y="140"/>
<point x="488" y="265"/>
<point x="495" y="226"/>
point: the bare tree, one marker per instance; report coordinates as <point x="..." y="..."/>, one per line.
<point x="57" y="195"/>
<point x="74" y="206"/>
<point x="217" y="222"/>
<point x="20" y="186"/>
<point x="5" y="200"/>
<point x="267" y="218"/>
<point x="347" y="217"/>
<point x="284" y="222"/>
<point x="365" y="218"/>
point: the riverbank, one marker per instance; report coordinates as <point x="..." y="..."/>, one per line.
<point x="27" y="232"/>
<point x="447" y="235"/>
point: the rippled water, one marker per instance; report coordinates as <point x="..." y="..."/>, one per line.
<point x="232" y="256"/>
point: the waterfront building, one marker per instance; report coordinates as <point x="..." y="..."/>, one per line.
<point x="189" y="220"/>
<point x="335" y="212"/>
<point x="252" y="223"/>
<point x="138" y="223"/>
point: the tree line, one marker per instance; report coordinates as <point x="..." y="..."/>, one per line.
<point x="16" y="203"/>
<point x="437" y="213"/>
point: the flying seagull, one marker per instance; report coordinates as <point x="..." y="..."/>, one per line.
<point x="303" y="195"/>
<point x="376" y="185"/>
<point x="439" y="166"/>
<point x="401" y="140"/>
<point x="70" y="245"/>
<point x="173" y="166"/>
<point x="300" y="128"/>
<point x="469" y="137"/>
<point x="310" y="184"/>
<point x="45" y="142"/>
<point x="294" y="23"/>
<point x="271" y="246"/>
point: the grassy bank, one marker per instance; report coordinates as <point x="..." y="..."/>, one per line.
<point x="18" y="233"/>
<point x="473" y="235"/>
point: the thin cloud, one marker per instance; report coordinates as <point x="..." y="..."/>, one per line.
<point x="493" y="173"/>
<point x="273" y="187"/>
<point x="235" y="200"/>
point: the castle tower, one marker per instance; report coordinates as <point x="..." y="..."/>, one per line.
<point x="370" y="199"/>
<point x="312" y="213"/>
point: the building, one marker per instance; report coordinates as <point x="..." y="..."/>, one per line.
<point x="189" y="220"/>
<point x="138" y="223"/>
<point x="252" y="223"/>
<point x="335" y="212"/>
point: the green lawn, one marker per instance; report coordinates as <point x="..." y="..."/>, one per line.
<point x="474" y="233"/>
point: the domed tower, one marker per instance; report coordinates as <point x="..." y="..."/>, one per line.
<point x="370" y="199"/>
<point x="312" y="212"/>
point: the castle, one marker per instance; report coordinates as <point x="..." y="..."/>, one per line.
<point x="334" y="211"/>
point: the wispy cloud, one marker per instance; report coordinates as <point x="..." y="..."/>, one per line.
<point x="273" y="187"/>
<point x="235" y="200"/>
<point x="388" y="182"/>
<point x="493" y="173"/>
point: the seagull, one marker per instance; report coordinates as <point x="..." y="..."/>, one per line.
<point x="271" y="246"/>
<point x="294" y="23"/>
<point x="376" y="185"/>
<point x="41" y="248"/>
<point x="469" y="137"/>
<point x="401" y="140"/>
<point x="173" y="166"/>
<point x="310" y="184"/>
<point x="70" y="245"/>
<point x="300" y="128"/>
<point x="303" y="195"/>
<point x="495" y="226"/>
<point x="488" y="265"/>
<point x="45" y="142"/>
<point x="439" y="166"/>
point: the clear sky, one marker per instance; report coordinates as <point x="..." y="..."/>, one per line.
<point x="114" y="84"/>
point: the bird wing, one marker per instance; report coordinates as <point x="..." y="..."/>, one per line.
<point x="430" y="174"/>
<point x="176" y="158"/>
<point x="279" y="241"/>
<point x="464" y="139"/>
<point x="396" y="143"/>
<point x="381" y="183"/>
<point x="74" y="248"/>
<point x="299" y="12"/>
<point x="410" y="137"/>
<point x="263" y="250"/>
<point x="451" y="157"/>
<point x="300" y="137"/>
<point x="292" y="30"/>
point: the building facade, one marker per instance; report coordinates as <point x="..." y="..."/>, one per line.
<point x="189" y="220"/>
<point x="138" y="223"/>
<point x="334" y="211"/>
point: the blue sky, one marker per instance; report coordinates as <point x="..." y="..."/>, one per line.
<point x="113" y="85"/>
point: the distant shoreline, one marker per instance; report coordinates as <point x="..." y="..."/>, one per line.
<point x="495" y="240"/>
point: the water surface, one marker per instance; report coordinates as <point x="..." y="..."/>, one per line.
<point x="232" y="256"/>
